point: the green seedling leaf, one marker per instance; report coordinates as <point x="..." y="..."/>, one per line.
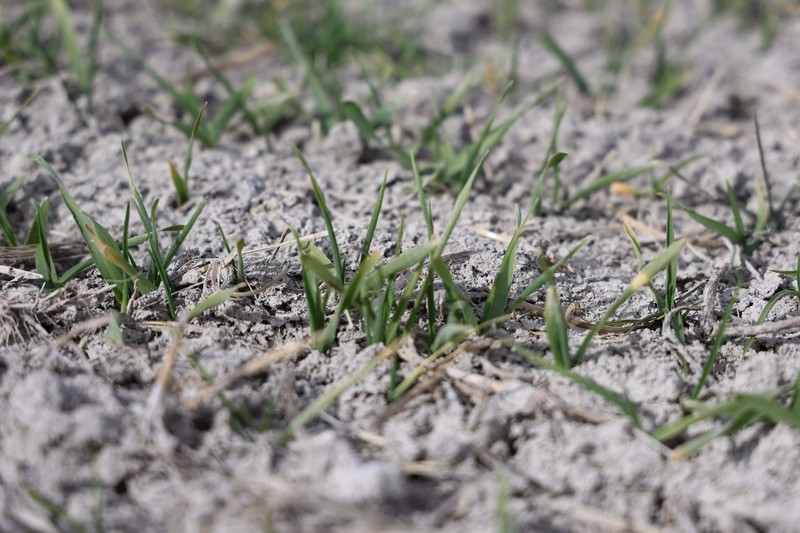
<point x="568" y="63"/>
<point x="497" y="300"/>
<point x="326" y="215"/>
<point x="5" y="198"/>
<point x="717" y="227"/>
<point x="620" y="401"/>
<point x="66" y="27"/>
<point x="351" y="111"/>
<point x="774" y="217"/>
<point x="660" y="183"/>
<point x="539" y="282"/>
<point x="215" y="300"/>
<point x="181" y="181"/>
<point x="324" y="102"/>
<point x="778" y="296"/>
<point x="324" y="270"/>
<point x="616" y="177"/>
<point x="183" y="233"/>
<point x="426" y="213"/>
<point x="322" y="402"/>
<point x="715" y="346"/>
<point x="38" y="237"/>
<point x="461" y="201"/>
<point x="408" y="259"/>
<point x="659" y="263"/>
<point x="637" y="251"/>
<point x="373" y="220"/>
<point x="555" y="323"/>
<point x="95" y="236"/>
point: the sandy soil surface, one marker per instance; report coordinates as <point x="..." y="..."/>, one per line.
<point x="86" y="444"/>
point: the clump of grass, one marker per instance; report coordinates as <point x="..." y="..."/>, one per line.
<point x="370" y="290"/>
<point x="27" y="45"/>
<point x="114" y="260"/>
<point x="209" y="132"/>
<point x="666" y="302"/>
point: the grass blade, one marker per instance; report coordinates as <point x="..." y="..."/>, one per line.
<point x="497" y="300"/>
<point x="616" y="177"/>
<point x="326" y="215"/>
<point x="568" y="63"/>
<point x="644" y="277"/>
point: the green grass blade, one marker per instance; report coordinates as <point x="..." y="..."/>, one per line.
<point x="778" y="296"/>
<point x="715" y="226"/>
<point x="543" y="278"/>
<point x="426" y="213"/>
<point x="568" y="63"/>
<point x="326" y="214"/>
<point x="556" y="327"/>
<point x="325" y="105"/>
<point x="326" y="399"/>
<point x="737" y="214"/>
<point x="497" y="300"/>
<point x="409" y="258"/>
<point x="461" y="201"/>
<point x="620" y="401"/>
<point x="644" y="277"/>
<point x="214" y="300"/>
<point x="5" y="199"/>
<point x="715" y="346"/>
<point x="774" y="217"/>
<point x="75" y="56"/>
<point x="183" y="233"/>
<point x="623" y="175"/>
<point x="373" y="220"/>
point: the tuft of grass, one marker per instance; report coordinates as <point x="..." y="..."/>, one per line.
<point x="159" y="260"/>
<point x="769" y="216"/>
<point x="111" y="264"/>
<point x="209" y="132"/>
<point x="114" y="260"/>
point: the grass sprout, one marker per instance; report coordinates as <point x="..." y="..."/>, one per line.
<point x="238" y="261"/>
<point x="625" y="405"/>
<point x="159" y="261"/>
<point x="111" y="264"/>
<point x="208" y="132"/>
<point x="181" y="180"/>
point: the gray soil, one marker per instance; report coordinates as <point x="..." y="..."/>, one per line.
<point x="85" y="442"/>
